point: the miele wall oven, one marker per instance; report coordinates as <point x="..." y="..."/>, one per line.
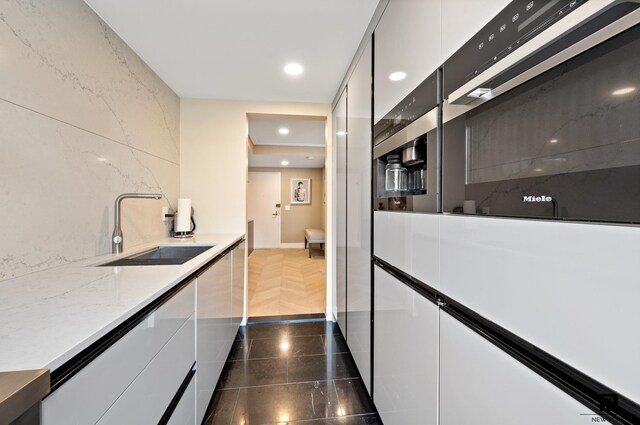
<point x="542" y="114"/>
<point x="406" y="166"/>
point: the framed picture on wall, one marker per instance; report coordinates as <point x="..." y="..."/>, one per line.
<point x="300" y="191"/>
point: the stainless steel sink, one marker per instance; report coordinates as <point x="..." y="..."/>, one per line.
<point x="160" y="256"/>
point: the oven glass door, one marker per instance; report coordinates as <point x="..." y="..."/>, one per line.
<point x="564" y="145"/>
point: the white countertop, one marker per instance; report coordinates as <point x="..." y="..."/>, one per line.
<point x="48" y="317"/>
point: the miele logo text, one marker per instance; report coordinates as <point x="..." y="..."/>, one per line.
<point x="537" y="198"/>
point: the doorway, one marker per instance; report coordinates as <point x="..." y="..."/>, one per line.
<point x="263" y="208"/>
<point x="285" y="197"/>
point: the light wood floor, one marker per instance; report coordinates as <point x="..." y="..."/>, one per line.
<point x="286" y="281"/>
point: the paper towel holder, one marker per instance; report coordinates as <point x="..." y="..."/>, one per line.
<point x="182" y="234"/>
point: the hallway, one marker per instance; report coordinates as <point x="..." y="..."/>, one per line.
<point x="291" y="374"/>
<point x="286" y="281"/>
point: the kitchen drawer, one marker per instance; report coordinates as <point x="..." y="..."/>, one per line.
<point x="88" y="394"/>
<point x="147" y="398"/>
<point x="185" y="412"/>
<point x="409" y="242"/>
<point x="481" y="384"/>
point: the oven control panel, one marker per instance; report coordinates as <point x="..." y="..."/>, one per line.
<point x="516" y="24"/>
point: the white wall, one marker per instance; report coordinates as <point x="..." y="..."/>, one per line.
<point x="213" y="142"/>
<point x="82" y="119"/>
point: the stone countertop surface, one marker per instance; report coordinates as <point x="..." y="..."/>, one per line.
<point x="48" y="317"/>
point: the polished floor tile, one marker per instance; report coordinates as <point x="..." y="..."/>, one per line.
<point x="345" y="420"/>
<point x="291" y="374"/>
<point x="254" y="372"/>
<point x="222" y="406"/>
<point x="332" y="366"/>
<point x="335" y="344"/>
<point x="353" y="397"/>
<point x="283" y="403"/>
<point x="286" y="347"/>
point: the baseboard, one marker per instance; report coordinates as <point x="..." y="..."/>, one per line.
<point x="292" y="245"/>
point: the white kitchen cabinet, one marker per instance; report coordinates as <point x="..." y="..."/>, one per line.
<point x="481" y="384"/>
<point x="237" y="288"/>
<point x="405" y="354"/>
<point x="88" y="394"/>
<point x="213" y="323"/>
<point x="358" y="216"/>
<point x="340" y="142"/>
<point x="407" y="39"/>
<point x="150" y="394"/>
<point x="554" y="284"/>
<point x="185" y="412"/>
<point x="462" y="19"/>
<point x="409" y="242"/>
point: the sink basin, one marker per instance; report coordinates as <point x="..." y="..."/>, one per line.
<point x="160" y="256"/>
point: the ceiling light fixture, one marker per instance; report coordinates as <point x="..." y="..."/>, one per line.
<point x="479" y="92"/>
<point x="623" y="91"/>
<point x="285" y="162"/>
<point x="309" y="158"/>
<point x="341" y="133"/>
<point x="538" y="170"/>
<point x="397" y="76"/>
<point x="283" y="130"/>
<point x="553" y="141"/>
<point x="293" y="69"/>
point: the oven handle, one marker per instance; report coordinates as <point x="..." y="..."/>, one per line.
<point x="583" y="14"/>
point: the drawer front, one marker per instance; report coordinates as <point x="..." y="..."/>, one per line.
<point x="147" y="398"/>
<point x="410" y="242"/>
<point x="481" y="384"/>
<point x="185" y="413"/>
<point x="87" y="395"/>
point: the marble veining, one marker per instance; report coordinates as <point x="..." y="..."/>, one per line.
<point x="49" y="316"/>
<point x="82" y="119"/>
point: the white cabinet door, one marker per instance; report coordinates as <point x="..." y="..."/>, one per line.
<point x="405" y="354"/>
<point x="340" y="143"/>
<point x="481" y="384"/>
<point x="409" y="242"/>
<point x="88" y="394"/>
<point x="556" y="285"/>
<point x="149" y="396"/>
<point x="185" y="412"/>
<point x="358" y="216"/>
<point x="213" y="329"/>
<point x="407" y="39"/>
<point x="237" y="288"/>
<point x="462" y="19"/>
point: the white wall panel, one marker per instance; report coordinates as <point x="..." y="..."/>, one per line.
<point x="481" y="384"/>
<point x="409" y="242"/>
<point x="570" y="289"/>
<point x="340" y="142"/>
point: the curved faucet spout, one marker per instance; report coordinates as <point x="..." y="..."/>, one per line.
<point x="116" y="238"/>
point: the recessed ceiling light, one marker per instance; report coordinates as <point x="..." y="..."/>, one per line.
<point x="479" y="92"/>
<point x="397" y="76"/>
<point x="285" y="162"/>
<point x="293" y="68"/>
<point x="538" y="170"/>
<point x="341" y="133"/>
<point x="553" y="141"/>
<point x="283" y="130"/>
<point x="309" y="158"/>
<point x="623" y="91"/>
<point x="102" y="159"/>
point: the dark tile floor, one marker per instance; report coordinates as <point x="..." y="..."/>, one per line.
<point x="291" y="374"/>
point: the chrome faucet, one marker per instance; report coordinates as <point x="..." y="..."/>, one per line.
<point x="116" y="239"/>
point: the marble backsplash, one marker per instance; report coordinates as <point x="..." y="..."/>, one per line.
<point x="82" y="119"/>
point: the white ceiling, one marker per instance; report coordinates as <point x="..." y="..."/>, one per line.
<point x="236" y="49"/>
<point x="274" y="161"/>
<point x="264" y="131"/>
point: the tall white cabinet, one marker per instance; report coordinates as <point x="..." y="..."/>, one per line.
<point x="358" y="217"/>
<point x="340" y="142"/>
